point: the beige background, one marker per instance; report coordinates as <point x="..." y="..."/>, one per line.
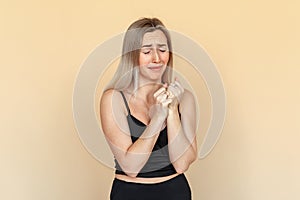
<point x="255" y="45"/>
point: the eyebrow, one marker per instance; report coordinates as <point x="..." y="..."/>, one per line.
<point x="150" y="45"/>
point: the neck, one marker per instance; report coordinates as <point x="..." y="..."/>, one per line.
<point x="145" y="92"/>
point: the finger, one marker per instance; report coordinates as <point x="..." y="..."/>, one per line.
<point x="178" y="85"/>
<point x="174" y="92"/>
<point x="172" y="84"/>
<point x="172" y="89"/>
<point x="161" y="97"/>
<point x="177" y="81"/>
<point x="171" y="95"/>
<point x="166" y="102"/>
<point x="159" y="91"/>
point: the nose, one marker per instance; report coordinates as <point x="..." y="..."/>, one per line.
<point x="156" y="57"/>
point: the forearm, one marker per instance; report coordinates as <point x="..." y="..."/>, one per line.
<point x="136" y="156"/>
<point x="182" y="152"/>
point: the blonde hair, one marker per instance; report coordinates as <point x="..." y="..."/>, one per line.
<point x="128" y="71"/>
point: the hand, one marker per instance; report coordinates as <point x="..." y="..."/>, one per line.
<point x="175" y="92"/>
<point x="160" y="108"/>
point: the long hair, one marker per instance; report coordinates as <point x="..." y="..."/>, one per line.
<point x="127" y="72"/>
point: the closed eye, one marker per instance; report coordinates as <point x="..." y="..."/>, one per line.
<point x="146" y="52"/>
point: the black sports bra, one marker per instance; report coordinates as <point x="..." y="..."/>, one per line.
<point x="159" y="163"/>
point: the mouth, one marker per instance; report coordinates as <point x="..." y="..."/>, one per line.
<point x="155" y="67"/>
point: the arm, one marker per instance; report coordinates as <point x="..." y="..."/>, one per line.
<point x="131" y="156"/>
<point x="182" y="133"/>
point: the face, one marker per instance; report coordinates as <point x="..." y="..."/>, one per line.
<point x="154" y="56"/>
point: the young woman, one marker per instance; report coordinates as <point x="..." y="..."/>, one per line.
<point x="149" y="120"/>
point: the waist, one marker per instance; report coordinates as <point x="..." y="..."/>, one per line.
<point x="158" y="165"/>
<point x="144" y="180"/>
<point x="151" y="171"/>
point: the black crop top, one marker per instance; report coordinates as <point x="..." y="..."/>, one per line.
<point x="158" y="164"/>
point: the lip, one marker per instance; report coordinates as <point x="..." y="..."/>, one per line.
<point x="155" y="67"/>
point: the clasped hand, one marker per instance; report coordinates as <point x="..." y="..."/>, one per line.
<point x="168" y="98"/>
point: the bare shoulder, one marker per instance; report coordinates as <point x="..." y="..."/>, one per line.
<point x="188" y="94"/>
<point x="111" y="98"/>
<point x="110" y="95"/>
<point x="113" y="119"/>
<point x="188" y="100"/>
<point x="187" y="97"/>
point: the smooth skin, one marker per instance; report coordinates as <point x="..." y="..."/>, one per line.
<point x="155" y="105"/>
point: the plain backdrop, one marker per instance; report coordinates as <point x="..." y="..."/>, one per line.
<point x="255" y="45"/>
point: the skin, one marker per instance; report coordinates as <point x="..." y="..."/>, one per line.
<point x="156" y="105"/>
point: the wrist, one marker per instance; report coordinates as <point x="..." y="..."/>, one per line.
<point x="159" y="118"/>
<point x="173" y="111"/>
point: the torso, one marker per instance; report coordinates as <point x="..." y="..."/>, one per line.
<point x="139" y="120"/>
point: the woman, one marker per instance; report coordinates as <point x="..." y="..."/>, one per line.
<point x="149" y="120"/>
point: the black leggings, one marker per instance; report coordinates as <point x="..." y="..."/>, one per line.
<point x="176" y="188"/>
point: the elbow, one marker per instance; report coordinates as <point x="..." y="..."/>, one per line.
<point x="130" y="167"/>
<point x="180" y="171"/>
<point x="130" y="174"/>
<point x="127" y="166"/>
<point x="129" y="171"/>
<point x="193" y="156"/>
<point x="183" y="165"/>
<point x="180" y="167"/>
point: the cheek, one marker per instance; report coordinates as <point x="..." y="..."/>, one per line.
<point x="143" y="60"/>
<point x="165" y="57"/>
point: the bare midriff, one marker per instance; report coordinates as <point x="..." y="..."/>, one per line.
<point x="145" y="180"/>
